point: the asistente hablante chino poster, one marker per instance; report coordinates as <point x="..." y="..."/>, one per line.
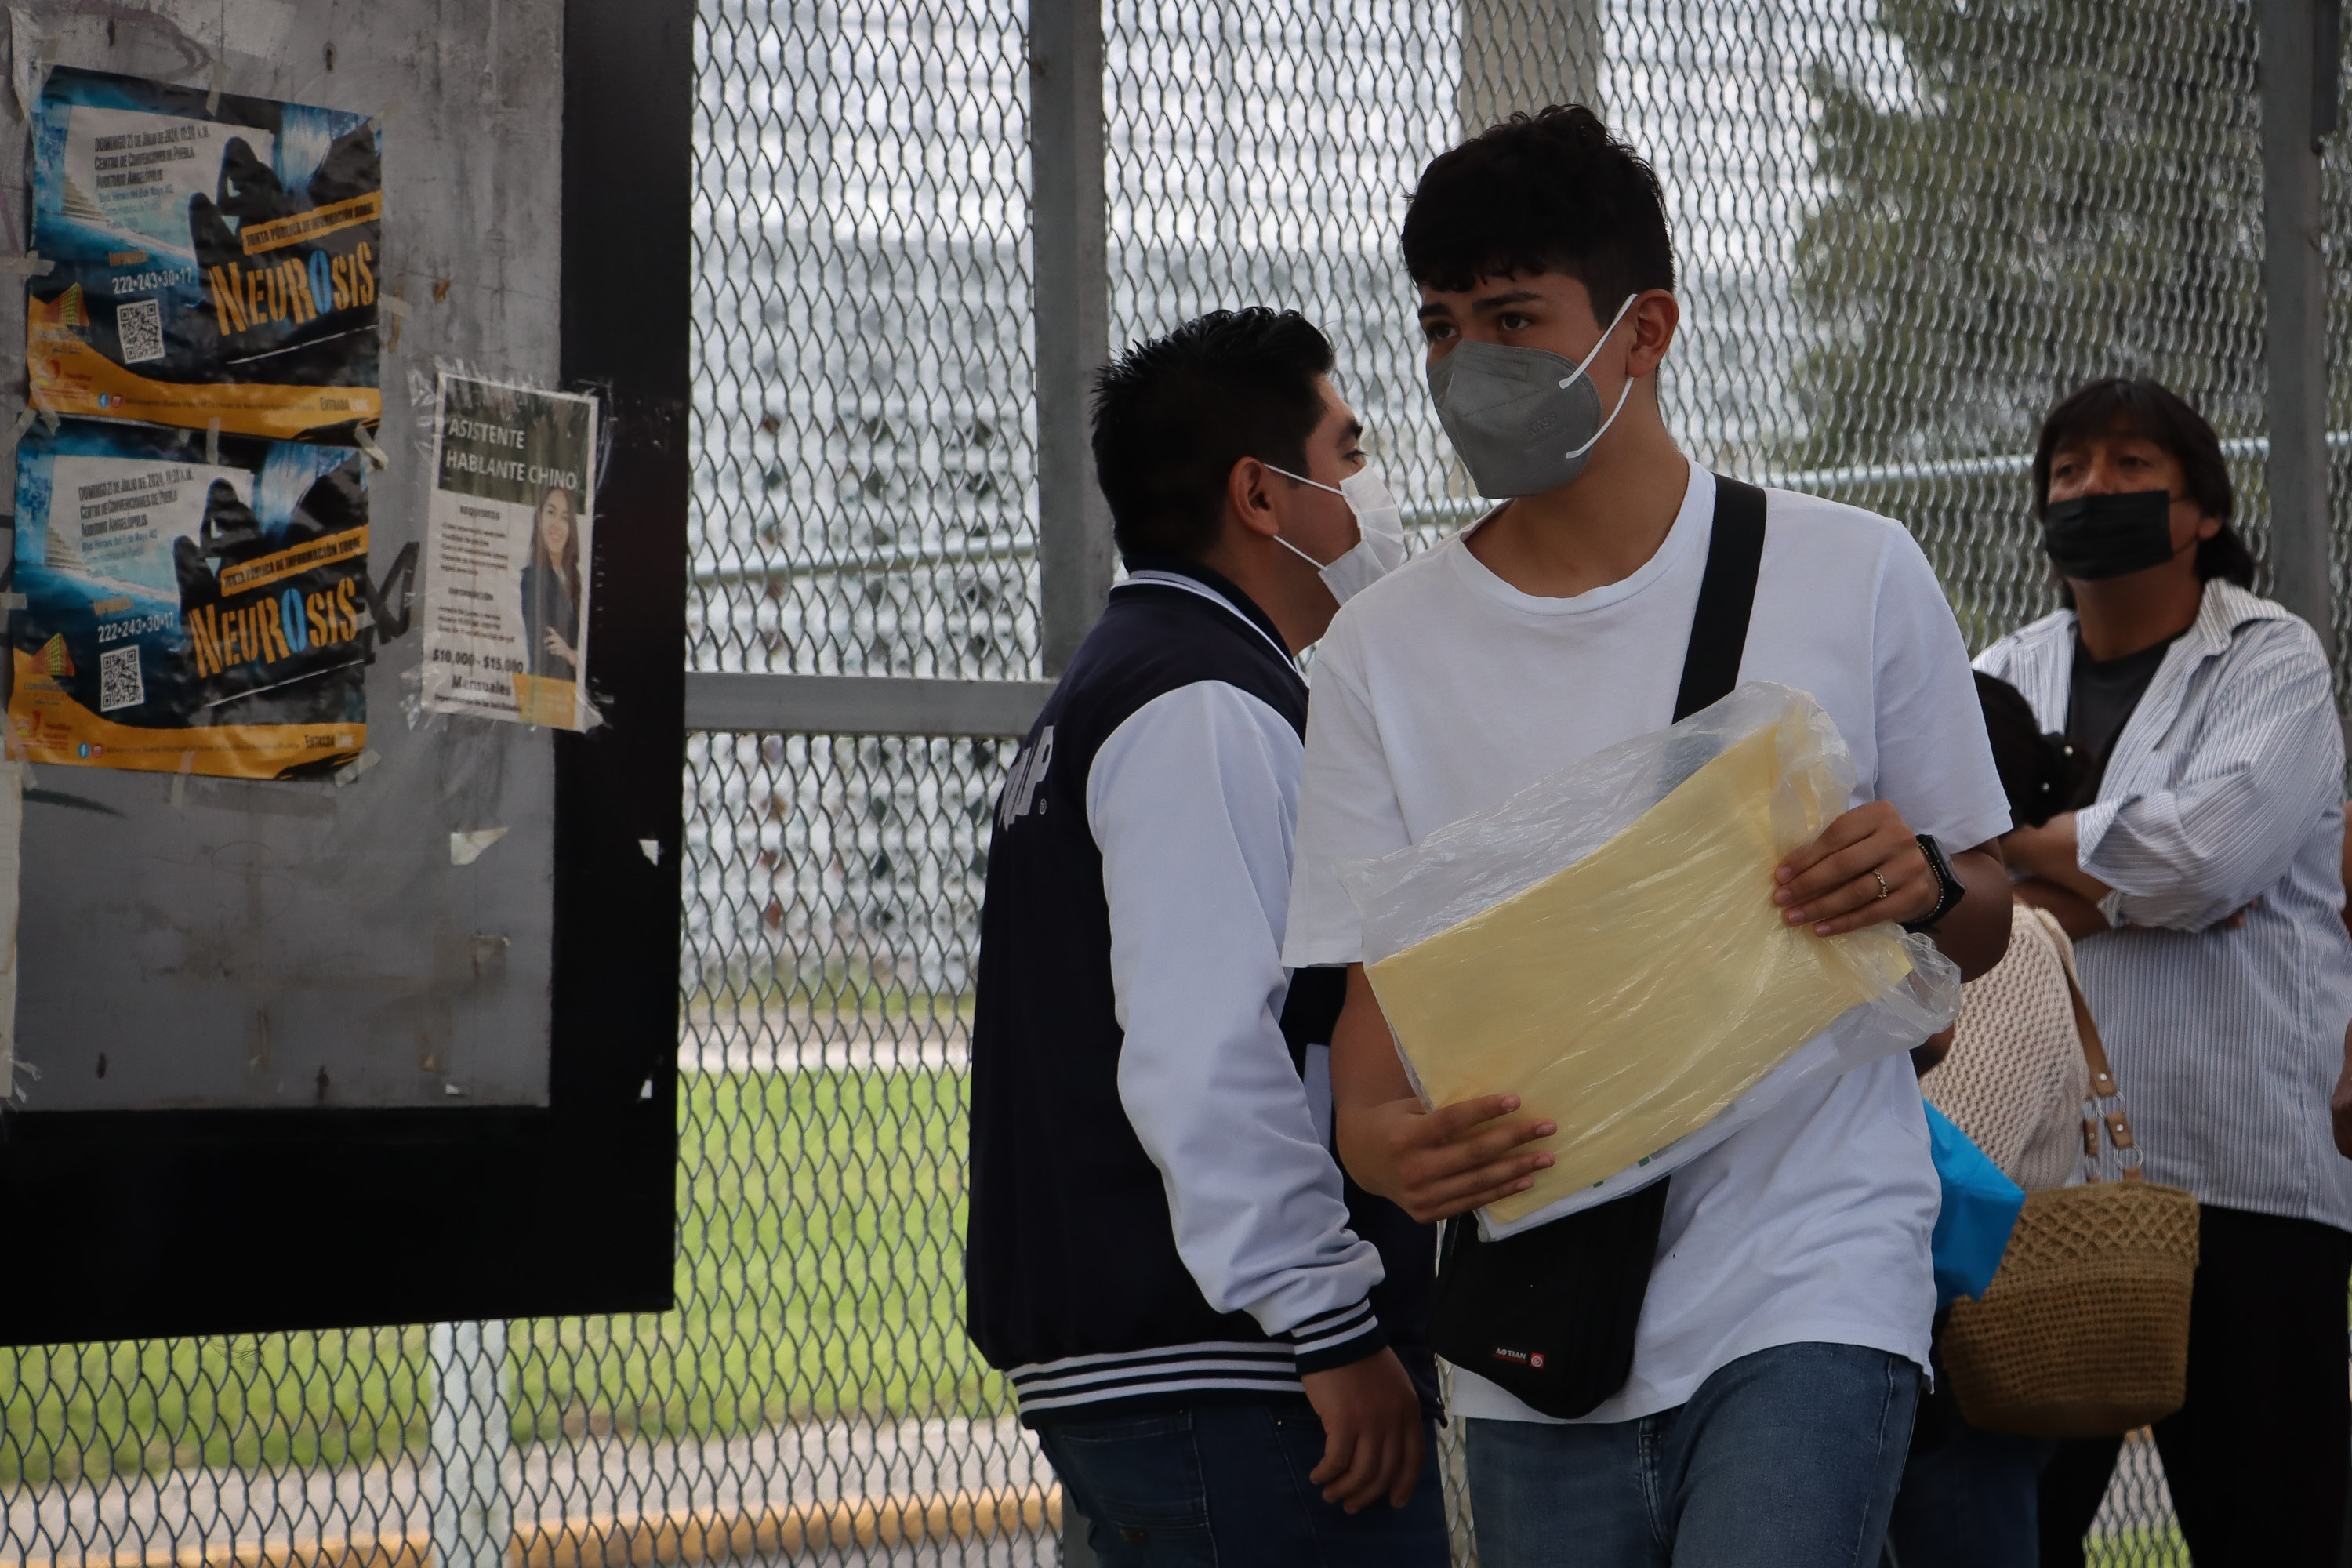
<point x="506" y="593"/>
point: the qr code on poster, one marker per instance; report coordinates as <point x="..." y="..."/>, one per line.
<point x="119" y="684"/>
<point x="139" y="325"/>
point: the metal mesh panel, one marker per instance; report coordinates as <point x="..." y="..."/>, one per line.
<point x="2135" y="1528"/>
<point x="1904" y="227"/>
<point x="865" y="448"/>
<point x="2008" y="203"/>
<point x="816" y="1387"/>
<point x="1260" y="152"/>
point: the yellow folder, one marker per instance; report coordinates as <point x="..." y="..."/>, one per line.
<point x="1634" y="996"/>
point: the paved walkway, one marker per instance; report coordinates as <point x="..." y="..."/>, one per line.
<point x="787" y="1039"/>
<point x="576" y="1481"/>
<point x="601" y="1476"/>
<point x="589" y="1478"/>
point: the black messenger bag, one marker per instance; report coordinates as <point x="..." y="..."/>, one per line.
<point x="1549" y="1314"/>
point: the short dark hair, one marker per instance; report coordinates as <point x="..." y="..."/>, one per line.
<point x="2145" y="408"/>
<point x="1547" y="191"/>
<point x="1173" y="416"/>
<point x="2040" y="774"/>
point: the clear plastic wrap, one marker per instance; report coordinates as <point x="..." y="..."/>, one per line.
<point x="1604" y="944"/>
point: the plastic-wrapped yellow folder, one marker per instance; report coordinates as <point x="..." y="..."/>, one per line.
<point x="1634" y="995"/>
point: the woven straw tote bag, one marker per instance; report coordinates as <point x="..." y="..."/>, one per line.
<point x="2084" y="1331"/>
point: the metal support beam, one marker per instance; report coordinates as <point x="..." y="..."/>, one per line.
<point x="1526" y="54"/>
<point x="860" y="705"/>
<point x="1071" y="276"/>
<point x="2297" y="109"/>
<point x="473" y="1517"/>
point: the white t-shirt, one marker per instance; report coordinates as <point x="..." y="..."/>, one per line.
<point x="1441" y="690"/>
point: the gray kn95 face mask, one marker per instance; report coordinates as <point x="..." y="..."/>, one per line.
<point x="1524" y="420"/>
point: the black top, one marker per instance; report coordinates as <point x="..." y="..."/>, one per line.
<point x="2100" y="700"/>
<point x="547" y="606"/>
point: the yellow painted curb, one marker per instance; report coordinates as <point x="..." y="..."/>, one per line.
<point x="714" y="1535"/>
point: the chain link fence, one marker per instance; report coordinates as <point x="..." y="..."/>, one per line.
<point x="1906" y="227"/>
<point x="867" y="445"/>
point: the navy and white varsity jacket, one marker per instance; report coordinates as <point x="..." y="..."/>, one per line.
<point x="1155" y="1216"/>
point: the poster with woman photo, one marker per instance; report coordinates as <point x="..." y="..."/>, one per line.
<point x="507" y="552"/>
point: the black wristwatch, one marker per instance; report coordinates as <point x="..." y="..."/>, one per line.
<point x="1950" y="889"/>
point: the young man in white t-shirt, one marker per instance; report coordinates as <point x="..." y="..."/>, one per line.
<point x="1779" y="1351"/>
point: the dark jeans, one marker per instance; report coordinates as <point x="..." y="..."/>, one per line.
<point x="1968" y="1501"/>
<point x="2256" y="1457"/>
<point x="1786" y="1458"/>
<point x="1225" y="1486"/>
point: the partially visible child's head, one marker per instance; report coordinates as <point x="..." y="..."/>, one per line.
<point x="2039" y="773"/>
<point x="1548" y="192"/>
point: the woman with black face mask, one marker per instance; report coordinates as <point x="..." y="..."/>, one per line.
<point x="2199" y="874"/>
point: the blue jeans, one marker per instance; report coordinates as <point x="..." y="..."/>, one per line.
<point x="1969" y="1502"/>
<point x="1225" y="1486"/>
<point x="1786" y="1458"/>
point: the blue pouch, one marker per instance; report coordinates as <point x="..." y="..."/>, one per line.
<point x="1981" y="1206"/>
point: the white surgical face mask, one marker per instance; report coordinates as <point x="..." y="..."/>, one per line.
<point x="1379" y="528"/>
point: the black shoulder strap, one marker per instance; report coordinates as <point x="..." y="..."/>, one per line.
<point x="1735" y="549"/>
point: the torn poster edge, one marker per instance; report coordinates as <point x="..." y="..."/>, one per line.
<point x="466" y="845"/>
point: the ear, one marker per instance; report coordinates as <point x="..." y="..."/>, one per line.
<point x="1654" y="317"/>
<point x="2208" y="527"/>
<point x="1249" y="497"/>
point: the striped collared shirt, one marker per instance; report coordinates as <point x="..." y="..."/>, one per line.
<point x="2223" y="790"/>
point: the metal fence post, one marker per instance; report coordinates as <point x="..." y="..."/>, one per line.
<point x="473" y="1518"/>
<point x="1070" y="284"/>
<point x="1526" y="54"/>
<point x="2298" y="96"/>
<point x="1071" y="281"/>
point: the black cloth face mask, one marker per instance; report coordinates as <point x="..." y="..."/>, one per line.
<point x="2092" y="537"/>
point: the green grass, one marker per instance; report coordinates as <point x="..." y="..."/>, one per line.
<point x="99" y="1409"/>
<point x="2145" y="1547"/>
<point x="820" y="1274"/>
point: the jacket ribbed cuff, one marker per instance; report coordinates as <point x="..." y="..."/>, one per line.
<point x="1337" y="1338"/>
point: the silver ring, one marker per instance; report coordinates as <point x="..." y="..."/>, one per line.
<point x="1883" y="888"/>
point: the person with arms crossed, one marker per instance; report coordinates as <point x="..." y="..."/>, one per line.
<point x="2200" y="874"/>
<point x="1212" y="1333"/>
<point x="1776" y="1357"/>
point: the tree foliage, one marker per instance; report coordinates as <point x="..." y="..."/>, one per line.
<point x="2019" y="196"/>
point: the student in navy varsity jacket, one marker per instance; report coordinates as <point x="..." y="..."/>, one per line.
<point x="1211" y="1330"/>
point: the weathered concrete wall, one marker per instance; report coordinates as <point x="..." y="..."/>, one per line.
<point x="223" y="943"/>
